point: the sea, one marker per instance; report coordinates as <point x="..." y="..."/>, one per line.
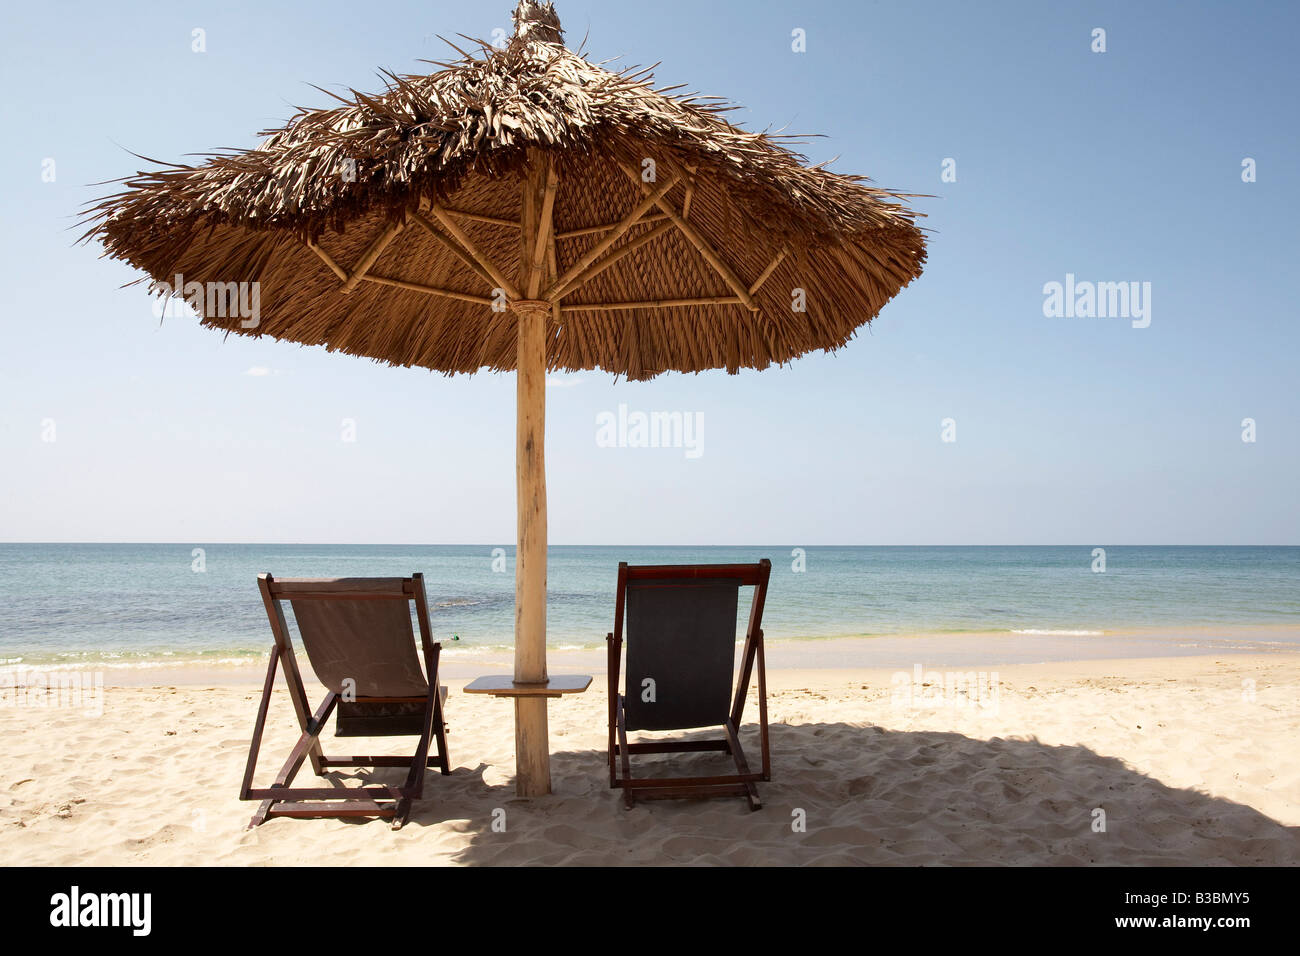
<point x="106" y="606"/>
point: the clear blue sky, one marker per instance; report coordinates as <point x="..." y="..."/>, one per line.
<point x="1122" y="166"/>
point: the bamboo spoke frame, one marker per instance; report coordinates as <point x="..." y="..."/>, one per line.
<point x="606" y="227"/>
<point x="539" y="257"/>
<point x="701" y="244"/>
<point x="567" y="281"/>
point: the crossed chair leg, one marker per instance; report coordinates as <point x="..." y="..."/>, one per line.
<point x="282" y="800"/>
<point x="740" y="784"/>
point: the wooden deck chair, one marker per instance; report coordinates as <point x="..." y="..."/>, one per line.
<point x="358" y="637"/>
<point x="679" y="623"/>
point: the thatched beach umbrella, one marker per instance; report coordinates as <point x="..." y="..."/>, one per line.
<point x="523" y="209"/>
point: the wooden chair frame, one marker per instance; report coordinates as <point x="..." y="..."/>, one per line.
<point x="282" y="800"/>
<point x="743" y="782"/>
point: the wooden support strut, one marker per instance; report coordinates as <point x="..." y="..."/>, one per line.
<point x="690" y="192"/>
<point x="448" y="223"/>
<point x="771" y="267"/>
<point x="596" y="268"/>
<point x="628" y="221"/>
<point x="457" y="243"/>
<point x="538" y="252"/>
<point x="428" y="289"/>
<point x="650" y="304"/>
<point x="372" y="253"/>
<point x="697" y="240"/>
<point x="606" y="227"/>
<point x="326" y="258"/>
<point x="545" y="226"/>
<point x="482" y="217"/>
<point x="452" y="246"/>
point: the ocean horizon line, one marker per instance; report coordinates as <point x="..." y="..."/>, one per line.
<point x="705" y="544"/>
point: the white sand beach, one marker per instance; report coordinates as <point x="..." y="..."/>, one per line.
<point x="1190" y="759"/>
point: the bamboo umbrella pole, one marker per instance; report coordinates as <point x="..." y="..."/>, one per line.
<point x="532" y="746"/>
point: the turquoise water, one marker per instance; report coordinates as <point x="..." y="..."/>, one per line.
<point x="137" y="604"/>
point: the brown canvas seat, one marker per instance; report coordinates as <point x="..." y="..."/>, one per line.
<point x="679" y="624"/>
<point x="359" y="641"/>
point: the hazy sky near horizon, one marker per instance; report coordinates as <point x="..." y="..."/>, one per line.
<point x="1122" y="166"/>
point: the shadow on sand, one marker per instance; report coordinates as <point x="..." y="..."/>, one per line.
<point x="868" y="796"/>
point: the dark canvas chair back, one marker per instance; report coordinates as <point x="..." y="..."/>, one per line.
<point x="368" y="642"/>
<point x="679" y="625"/>
<point x="681" y="642"/>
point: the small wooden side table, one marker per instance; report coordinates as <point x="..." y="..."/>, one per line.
<point x="503" y="685"/>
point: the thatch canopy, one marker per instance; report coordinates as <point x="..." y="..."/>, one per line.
<point x="384" y="226"/>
